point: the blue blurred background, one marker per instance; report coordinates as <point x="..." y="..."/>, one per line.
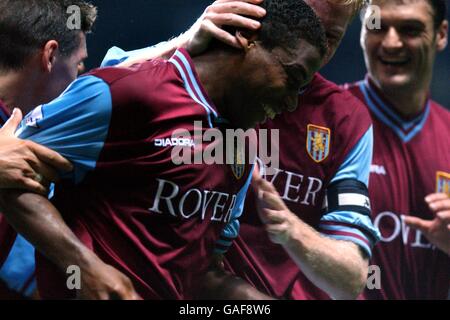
<point x="135" y="24"/>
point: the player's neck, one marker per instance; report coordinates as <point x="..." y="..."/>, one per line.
<point x="406" y="102"/>
<point x="17" y="90"/>
<point x="216" y="75"/>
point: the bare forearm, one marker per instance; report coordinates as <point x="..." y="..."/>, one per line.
<point x="163" y="50"/>
<point x="41" y="224"/>
<point x="337" y="267"/>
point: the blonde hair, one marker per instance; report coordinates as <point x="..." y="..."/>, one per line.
<point x="357" y="4"/>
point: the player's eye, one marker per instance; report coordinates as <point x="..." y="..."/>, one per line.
<point x="411" y="31"/>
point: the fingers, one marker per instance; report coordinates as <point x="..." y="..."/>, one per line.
<point x="237" y="2"/>
<point x="444" y="216"/>
<point x="50" y="157"/>
<point x="233" y="16"/>
<point x="136" y="296"/>
<point x="129" y="292"/>
<point x="256" y="179"/>
<point x="278" y="233"/>
<point x="47" y="172"/>
<point x="248" y="1"/>
<point x="439" y="202"/>
<point x="275" y="229"/>
<point x="436" y="197"/>
<point x="210" y="28"/>
<point x="231" y="13"/>
<point x="24" y="179"/>
<point x="273" y="216"/>
<point x="248" y="8"/>
<point x="125" y="291"/>
<point x="13" y="122"/>
<point x="442" y="205"/>
<point x="268" y="198"/>
<point x="261" y="185"/>
<point x="34" y="186"/>
<point x="419" y="224"/>
<point x="273" y="201"/>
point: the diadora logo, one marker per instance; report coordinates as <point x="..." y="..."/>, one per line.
<point x="380" y="170"/>
<point x="174" y="142"/>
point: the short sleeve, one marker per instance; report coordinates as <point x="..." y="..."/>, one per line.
<point x="75" y="125"/>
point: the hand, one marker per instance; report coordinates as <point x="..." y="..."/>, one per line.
<point x="218" y="284"/>
<point x="102" y="282"/>
<point x="25" y="164"/>
<point x="280" y="222"/>
<point x="222" y="13"/>
<point x="437" y="231"/>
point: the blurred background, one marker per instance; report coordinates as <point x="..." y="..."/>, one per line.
<point x="136" y="24"/>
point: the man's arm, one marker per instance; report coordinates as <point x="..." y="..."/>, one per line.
<point x="234" y="13"/>
<point x="219" y="284"/>
<point x="75" y="125"/>
<point x="437" y="231"/>
<point x="337" y="267"/>
<point x="336" y="258"/>
<point x="25" y="164"/>
<point x="41" y="224"/>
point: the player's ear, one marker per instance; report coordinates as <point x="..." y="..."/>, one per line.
<point x="49" y="53"/>
<point x="442" y="36"/>
<point x="247" y="40"/>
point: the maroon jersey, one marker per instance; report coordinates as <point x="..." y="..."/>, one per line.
<point x="411" y="161"/>
<point x="154" y="220"/>
<point x="327" y="140"/>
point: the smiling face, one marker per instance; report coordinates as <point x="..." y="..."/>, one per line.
<point x="274" y="78"/>
<point x="401" y="54"/>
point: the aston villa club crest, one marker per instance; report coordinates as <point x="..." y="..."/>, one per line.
<point x="443" y="182"/>
<point x="318" y="142"/>
<point x="238" y="165"/>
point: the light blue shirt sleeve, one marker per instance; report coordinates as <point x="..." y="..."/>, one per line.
<point x="116" y="56"/>
<point x="75" y="124"/>
<point x="19" y="268"/>
<point x="357" y="164"/>
<point x="348" y="225"/>
<point x="231" y="230"/>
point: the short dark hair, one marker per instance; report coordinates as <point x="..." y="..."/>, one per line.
<point x="287" y="21"/>
<point x="440" y="11"/>
<point x="27" y="25"/>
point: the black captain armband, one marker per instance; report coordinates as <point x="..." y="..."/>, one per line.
<point x="348" y="195"/>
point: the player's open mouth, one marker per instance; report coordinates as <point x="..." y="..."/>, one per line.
<point x="394" y="61"/>
<point x="270" y="112"/>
